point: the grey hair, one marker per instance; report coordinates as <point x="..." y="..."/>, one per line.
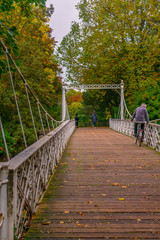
<point x="144" y="105"/>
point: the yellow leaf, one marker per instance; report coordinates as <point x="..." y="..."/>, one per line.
<point x="103" y="195"/>
<point x="66" y="211"/>
<point x="73" y="159"/>
<point x="121" y="199"/>
<point x="124" y="186"/>
<point x="46" y="223"/>
<point x="78" y="224"/>
<point x="61" y="222"/>
<point x="90" y="202"/>
<point x="115" y="184"/>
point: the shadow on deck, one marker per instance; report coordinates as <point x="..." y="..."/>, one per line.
<point x="105" y="187"/>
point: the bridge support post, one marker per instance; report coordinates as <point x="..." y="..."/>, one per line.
<point x="3" y="201"/>
<point x="63" y="102"/>
<point x="122" y="100"/>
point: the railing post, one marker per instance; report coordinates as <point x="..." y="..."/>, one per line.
<point x="12" y="203"/>
<point x="122" y="100"/>
<point x="3" y="201"/>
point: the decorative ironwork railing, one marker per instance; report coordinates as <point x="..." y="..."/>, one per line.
<point x="151" y="132"/>
<point x="93" y="86"/>
<point x="3" y="200"/>
<point x="29" y="174"/>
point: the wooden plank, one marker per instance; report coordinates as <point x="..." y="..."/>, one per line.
<point x="105" y="187"/>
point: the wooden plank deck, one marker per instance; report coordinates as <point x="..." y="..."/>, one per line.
<point x="105" y="187"/>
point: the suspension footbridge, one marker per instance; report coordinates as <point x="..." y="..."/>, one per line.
<point x="106" y="182"/>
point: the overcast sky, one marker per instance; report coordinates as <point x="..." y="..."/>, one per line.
<point x="64" y="13"/>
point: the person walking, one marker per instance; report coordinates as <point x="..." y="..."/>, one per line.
<point x="94" y="119"/>
<point x="140" y="115"/>
<point x="76" y="120"/>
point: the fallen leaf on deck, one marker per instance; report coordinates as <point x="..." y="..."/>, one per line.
<point x="61" y="222"/>
<point x="115" y="184"/>
<point x="124" y="186"/>
<point x="90" y="202"/>
<point x="66" y="211"/>
<point x="78" y="224"/>
<point x="95" y="205"/>
<point x="82" y="214"/>
<point x="103" y="195"/>
<point x="73" y="159"/>
<point x="121" y="199"/>
<point x="46" y="223"/>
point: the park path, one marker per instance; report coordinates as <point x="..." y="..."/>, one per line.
<point x="105" y="187"/>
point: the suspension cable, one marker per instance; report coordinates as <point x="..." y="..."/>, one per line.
<point x="41" y="118"/>
<point x="4" y="139"/>
<point x="47" y="121"/>
<point x="15" y="97"/>
<point x="29" y="103"/>
<point x="127" y="108"/>
<point x="25" y="82"/>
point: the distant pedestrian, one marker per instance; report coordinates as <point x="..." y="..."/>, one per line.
<point x="76" y="120"/>
<point x="94" y="118"/>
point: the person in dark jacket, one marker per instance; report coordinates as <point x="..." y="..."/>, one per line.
<point x="76" y="120"/>
<point x="140" y="115"/>
<point x="94" y="118"/>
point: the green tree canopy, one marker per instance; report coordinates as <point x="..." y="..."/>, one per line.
<point x="115" y="40"/>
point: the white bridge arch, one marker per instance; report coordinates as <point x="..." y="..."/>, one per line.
<point x="93" y="86"/>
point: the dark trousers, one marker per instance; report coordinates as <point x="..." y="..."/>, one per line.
<point x="141" y="126"/>
<point x="94" y="124"/>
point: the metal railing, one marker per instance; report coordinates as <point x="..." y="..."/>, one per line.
<point x="151" y="132"/>
<point x="29" y="174"/>
<point x="3" y="201"/>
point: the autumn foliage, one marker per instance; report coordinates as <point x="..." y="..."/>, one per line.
<point x="116" y="40"/>
<point x="26" y="33"/>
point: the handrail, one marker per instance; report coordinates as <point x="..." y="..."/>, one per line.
<point x="29" y="174"/>
<point x="156" y="120"/>
<point x="151" y="132"/>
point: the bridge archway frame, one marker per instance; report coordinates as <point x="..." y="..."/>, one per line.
<point x="93" y="86"/>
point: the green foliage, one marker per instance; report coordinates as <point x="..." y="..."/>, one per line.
<point x="11" y="142"/>
<point x="74" y="109"/>
<point x="115" y="40"/>
<point x="32" y="50"/>
<point x="151" y="97"/>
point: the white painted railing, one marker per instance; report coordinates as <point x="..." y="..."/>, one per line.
<point x="29" y="174"/>
<point x="3" y="201"/>
<point x="151" y="133"/>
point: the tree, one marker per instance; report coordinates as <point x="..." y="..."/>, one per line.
<point x="37" y="62"/>
<point x="115" y="40"/>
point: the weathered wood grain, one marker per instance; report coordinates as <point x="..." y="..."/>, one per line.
<point x="105" y="187"/>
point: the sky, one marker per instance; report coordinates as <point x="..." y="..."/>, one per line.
<point x="64" y="13"/>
